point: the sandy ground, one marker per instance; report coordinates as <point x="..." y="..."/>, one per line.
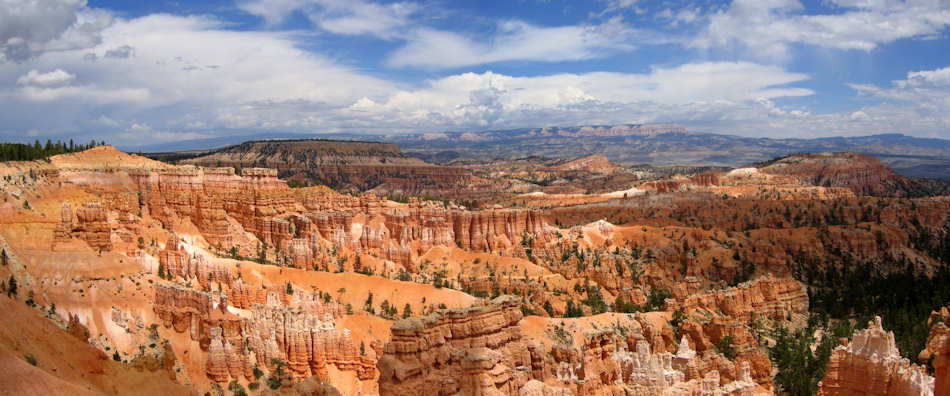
<point x="65" y="365"/>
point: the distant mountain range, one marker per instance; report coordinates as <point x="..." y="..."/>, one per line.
<point x="661" y="144"/>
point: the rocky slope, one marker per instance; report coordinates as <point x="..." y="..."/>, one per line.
<point x="38" y="357"/>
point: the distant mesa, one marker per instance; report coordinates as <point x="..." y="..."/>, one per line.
<point x="595" y="163"/>
<point x="862" y="174"/>
<point x="347" y="165"/>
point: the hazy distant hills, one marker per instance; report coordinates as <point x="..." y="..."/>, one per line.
<point x="647" y="144"/>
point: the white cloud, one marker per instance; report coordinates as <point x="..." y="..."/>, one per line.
<point x="189" y="77"/>
<point x="186" y="72"/>
<point x="768" y="27"/>
<point x="491" y="100"/>
<point x="31" y="27"/>
<point x="430" y="48"/>
<point x="514" y="40"/>
<point x="350" y="17"/>
<point x="54" y="78"/>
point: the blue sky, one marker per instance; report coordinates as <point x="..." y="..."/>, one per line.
<point x="145" y="72"/>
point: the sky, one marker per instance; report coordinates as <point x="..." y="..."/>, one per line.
<point x="145" y="72"/>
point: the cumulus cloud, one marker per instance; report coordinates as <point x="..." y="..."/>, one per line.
<point x="768" y="27"/>
<point x="165" y="77"/>
<point x="31" y="27"/>
<point x="514" y="40"/>
<point x="697" y="92"/>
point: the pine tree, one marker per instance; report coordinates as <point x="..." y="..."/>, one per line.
<point x="11" y="287"/>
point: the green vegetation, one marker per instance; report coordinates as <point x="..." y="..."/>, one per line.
<point x="30" y="358"/>
<point x="724" y="346"/>
<point x="27" y="152"/>
<point x="896" y="288"/>
<point x="294" y="183"/>
<point x="548" y="308"/>
<point x="275" y="381"/>
<point x="903" y="299"/>
<point x="573" y="311"/>
<point x="595" y="299"/>
<point x="11" y="287"/>
<point x="800" y="369"/>
<point x="236" y="388"/>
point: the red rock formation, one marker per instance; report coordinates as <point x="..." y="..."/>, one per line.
<point x="182" y="309"/>
<point x="362" y="165"/>
<point x="63" y="231"/>
<point x="764" y="297"/>
<point x="178" y="263"/>
<point x="872" y="365"/>
<point x="93" y="226"/>
<point x="595" y="163"/>
<point x="938" y="350"/>
<point x="862" y="174"/>
<point x="459" y="350"/>
<point x="306" y="337"/>
<point x="480" y="351"/>
<point x="207" y="196"/>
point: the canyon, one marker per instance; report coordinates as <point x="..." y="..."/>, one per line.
<point x="218" y="275"/>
